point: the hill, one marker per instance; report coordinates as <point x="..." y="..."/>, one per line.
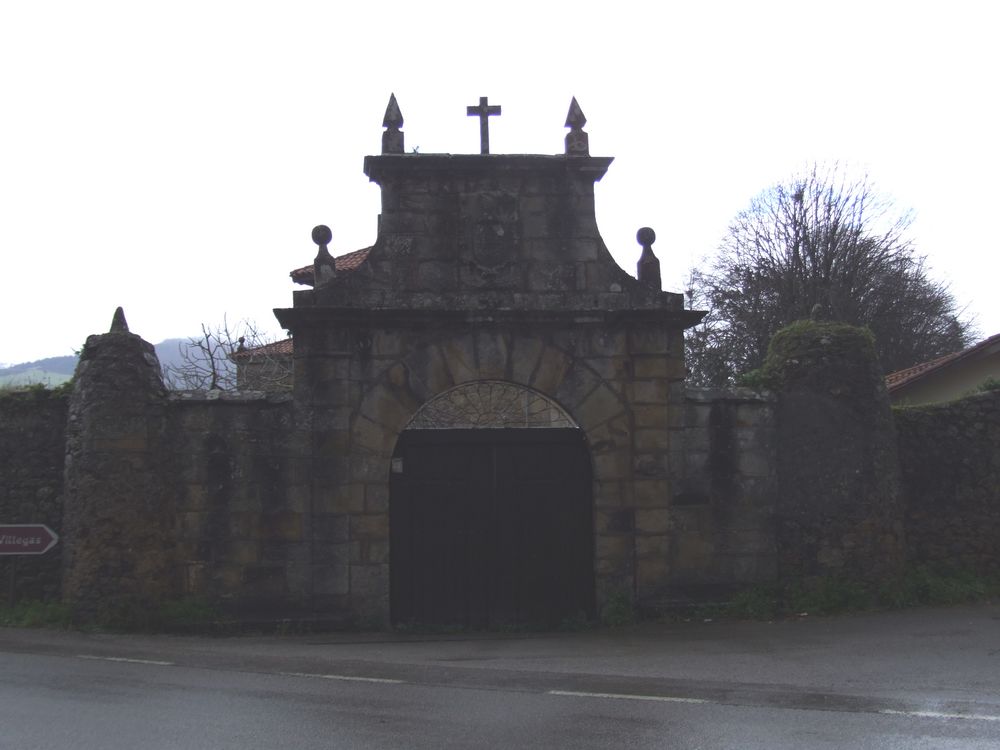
<point x="53" y="371"/>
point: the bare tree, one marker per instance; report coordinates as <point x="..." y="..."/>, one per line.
<point x="231" y="357"/>
<point x="820" y="240"/>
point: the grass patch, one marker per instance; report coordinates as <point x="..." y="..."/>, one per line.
<point x="35" y="614"/>
<point x="618" y="610"/>
<point x="990" y="384"/>
<point x="135" y="615"/>
<point x="922" y="585"/>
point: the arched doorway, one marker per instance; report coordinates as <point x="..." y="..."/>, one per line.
<point x="490" y="512"/>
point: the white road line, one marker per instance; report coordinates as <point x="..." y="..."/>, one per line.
<point x="674" y="699"/>
<point x="940" y="715"/>
<point x="127" y="661"/>
<point x="343" y="677"/>
<point x="628" y="697"/>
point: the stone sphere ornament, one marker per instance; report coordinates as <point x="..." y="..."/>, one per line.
<point x="322" y="235"/>
<point x="645" y="236"/>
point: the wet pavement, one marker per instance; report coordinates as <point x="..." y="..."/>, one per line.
<point x="915" y="678"/>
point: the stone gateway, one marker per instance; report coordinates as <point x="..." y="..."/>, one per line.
<point x="489" y="303"/>
<point x="487" y="426"/>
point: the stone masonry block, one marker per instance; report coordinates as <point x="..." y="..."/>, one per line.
<point x="492" y="353"/>
<point x="372" y="435"/>
<point x="436" y="275"/>
<point x="340" y="499"/>
<point x="298" y="497"/>
<point x="652" y="440"/>
<point x="652" y="574"/>
<point x="525" y="352"/>
<point x="612" y="466"/>
<point x="653" y="521"/>
<point x="651" y="465"/>
<point x="600" y="406"/>
<point x="283" y="526"/>
<point x="755" y="463"/>
<point x="654" y="546"/>
<point x="605" y="343"/>
<point x="613" y="546"/>
<point x="609" y="436"/>
<point x="651" y="493"/>
<point x="460" y="356"/>
<point x="611" y="566"/>
<point x="655" y="391"/>
<point x="375" y="551"/>
<point x="691" y="552"/>
<point x="651" y="366"/>
<point x="376" y="498"/>
<point x="331" y="553"/>
<point x="649" y="341"/>
<point x="552" y="367"/>
<point x="386" y="343"/>
<point x="330" y="527"/>
<point x="331" y="442"/>
<point x="609" y="495"/>
<point x="383" y="417"/>
<point x="370" y="467"/>
<point x="331" y="579"/>
<point x="243" y="552"/>
<point x="646" y="415"/>
<point x="577" y="384"/>
<point x="429" y="375"/>
<point x="621" y="520"/>
<point x="245" y="525"/>
<point x="370" y="527"/>
<point x="369" y="581"/>
<point x="613" y="370"/>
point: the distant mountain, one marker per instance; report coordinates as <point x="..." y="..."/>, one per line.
<point x="53" y="371"/>
<point x="50" y="371"/>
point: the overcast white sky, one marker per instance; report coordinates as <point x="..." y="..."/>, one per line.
<point x="173" y="158"/>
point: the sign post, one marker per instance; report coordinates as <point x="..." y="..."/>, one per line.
<point x="24" y="539"/>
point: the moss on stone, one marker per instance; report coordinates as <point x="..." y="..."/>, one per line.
<point x="831" y="357"/>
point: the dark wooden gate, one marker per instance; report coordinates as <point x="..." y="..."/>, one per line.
<point x="491" y="528"/>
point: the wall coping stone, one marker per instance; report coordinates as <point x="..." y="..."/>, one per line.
<point x="238" y="397"/>
<point x="749" y="395"/>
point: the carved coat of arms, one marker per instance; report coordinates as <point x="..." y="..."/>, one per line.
<point x="490" y="239"/>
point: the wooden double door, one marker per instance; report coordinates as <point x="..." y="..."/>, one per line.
<point x="491" y="528"/>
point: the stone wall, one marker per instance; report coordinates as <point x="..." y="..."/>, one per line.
<point x="254" y="523"/>
<point x="245" y="537"/>
<point x="722" y="509"/>
<point x="32" y="450"/>
<point x="950" y="459"/>
<point x="839" y="509"/>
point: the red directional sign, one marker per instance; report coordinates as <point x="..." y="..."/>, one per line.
<point x="26" y="539"/>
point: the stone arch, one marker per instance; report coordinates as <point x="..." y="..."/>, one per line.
<point x="490" y="404"/>
<point x="589" y="400"/>
<point x="570" y="376"/>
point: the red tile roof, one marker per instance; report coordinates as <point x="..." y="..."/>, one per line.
<point x="344" y="263"/>
<point x="281" y="348"/>
<point x="896" y="380"/>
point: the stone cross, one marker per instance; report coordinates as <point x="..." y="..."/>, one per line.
<point x="483" y="112"/>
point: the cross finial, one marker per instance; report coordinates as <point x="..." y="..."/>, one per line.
<point x="483" y="111"/>
<point x="577" y="142"/>
<point x="392" y="139"/>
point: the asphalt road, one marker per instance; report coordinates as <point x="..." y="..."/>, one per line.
<point x="916" y="679"/>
